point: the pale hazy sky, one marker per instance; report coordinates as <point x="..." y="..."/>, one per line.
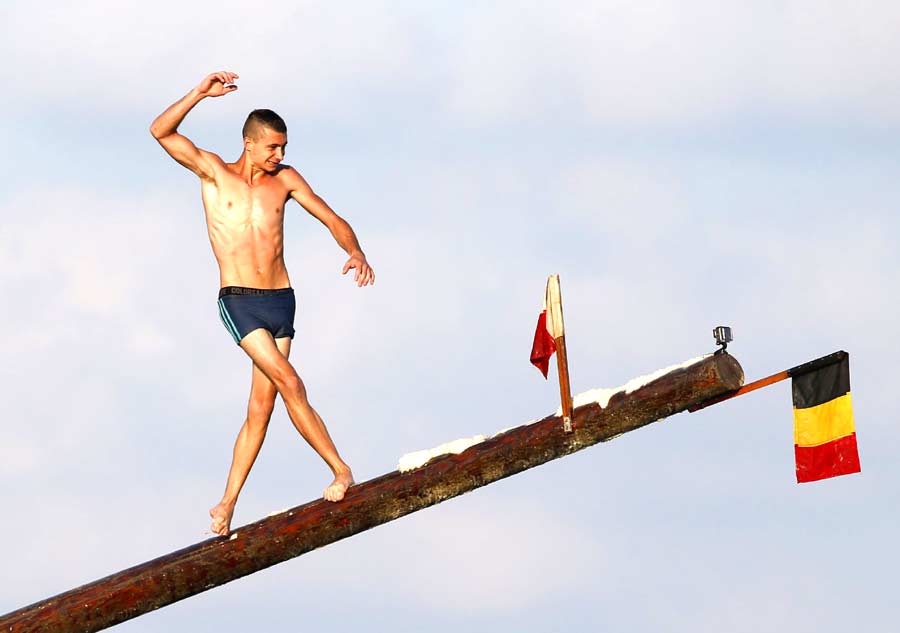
<point x="681" y="165"/>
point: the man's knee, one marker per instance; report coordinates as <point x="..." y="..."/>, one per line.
<point x="290" y="385"/>
<point x="260" y="408"/>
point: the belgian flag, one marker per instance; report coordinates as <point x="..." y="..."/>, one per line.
<point x="824" y="434"/>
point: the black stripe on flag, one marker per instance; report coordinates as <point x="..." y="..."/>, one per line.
<point x="822" y="384"/>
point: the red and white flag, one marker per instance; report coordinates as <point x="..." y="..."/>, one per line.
<point x="549" y="327"/>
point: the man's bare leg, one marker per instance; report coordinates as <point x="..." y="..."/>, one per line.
<point x="248" y="443"/>
<point x="343" y="479"/>
<point x="260" y="346"/>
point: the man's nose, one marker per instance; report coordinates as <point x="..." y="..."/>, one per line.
<point x="279" y="152"/>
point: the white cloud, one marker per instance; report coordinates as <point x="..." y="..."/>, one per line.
<point x="657" y="63"/>
<point x="620" y="200"/>
<point x="82" y="270"/>
<point x="476" y="555"/>
<point x="149" y="340"/>
<point x="111" y="55"/>
<point x="86" y="537"/>
<point x="665" y="62"/>
<point x="830" y="278"/>
<point x="93" y="249"/>
<point x="19" y="454"/>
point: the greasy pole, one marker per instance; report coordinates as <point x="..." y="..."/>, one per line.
<point x="275" y="539"/>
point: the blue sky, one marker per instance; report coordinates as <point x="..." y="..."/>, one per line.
<point x="680" y="165"/>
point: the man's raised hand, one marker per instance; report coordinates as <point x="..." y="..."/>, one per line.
<point x="364" y="274"/>
<point x="217" y="84"/>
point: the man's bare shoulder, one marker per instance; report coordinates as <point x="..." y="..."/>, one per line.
<point x="291" y="178"/>
<point x="287" y="172"/>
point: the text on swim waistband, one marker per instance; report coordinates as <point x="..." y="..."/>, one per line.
<point x="241" y="290"/>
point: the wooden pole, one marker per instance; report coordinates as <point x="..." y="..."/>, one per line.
<point x="214" y="562"/>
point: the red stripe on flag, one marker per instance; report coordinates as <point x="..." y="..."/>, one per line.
<point x="832" y="459"/>
<point x="543" y="347"/>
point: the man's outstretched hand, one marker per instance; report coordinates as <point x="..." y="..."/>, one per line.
<point x="217" y="84"/>
<point x="364" y="276"/>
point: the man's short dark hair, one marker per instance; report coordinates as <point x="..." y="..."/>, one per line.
<point x="259" y="119"/>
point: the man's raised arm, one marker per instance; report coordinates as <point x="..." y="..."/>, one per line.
<point x="165" y="128"/>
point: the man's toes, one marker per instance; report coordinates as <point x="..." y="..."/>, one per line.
<point x="219" y="526"/>
<point x="334" y="493"/>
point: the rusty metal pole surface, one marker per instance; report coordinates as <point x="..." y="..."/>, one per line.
<point x="214" y="562"/>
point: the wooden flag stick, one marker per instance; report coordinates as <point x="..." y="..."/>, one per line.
<point x="555" y="318"/>
<point x="753" y="386"/>
<point x="565" y="390"/>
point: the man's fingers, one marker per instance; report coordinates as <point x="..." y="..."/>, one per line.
<point x="225" y="77"/>
<point x="363" y="275"/>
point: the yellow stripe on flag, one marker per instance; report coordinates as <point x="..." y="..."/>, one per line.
<point x="824" y="423"/>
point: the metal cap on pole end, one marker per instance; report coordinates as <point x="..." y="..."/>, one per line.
<point x="722" y="334"/>
<point x="567" y="424"/>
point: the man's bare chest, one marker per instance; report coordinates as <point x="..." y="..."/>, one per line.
<point x="234" y="201"/>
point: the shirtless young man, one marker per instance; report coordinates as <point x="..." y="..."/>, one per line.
<point x="244" y="203"/>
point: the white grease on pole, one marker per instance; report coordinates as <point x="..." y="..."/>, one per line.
<point x="602" y="396"/>
<point x="411" y="461"/>
<point x="416" y="459"/>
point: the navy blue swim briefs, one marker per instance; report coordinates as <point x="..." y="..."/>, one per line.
<point x="243" y="310"/>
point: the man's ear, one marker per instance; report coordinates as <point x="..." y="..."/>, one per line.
<point x="247" y="143"/>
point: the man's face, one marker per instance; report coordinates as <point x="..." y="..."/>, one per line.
<point x="267" y="150"/>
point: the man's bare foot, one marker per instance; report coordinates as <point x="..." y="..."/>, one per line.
<point x="221" y="519"/>
<point x="342" y="481"/>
